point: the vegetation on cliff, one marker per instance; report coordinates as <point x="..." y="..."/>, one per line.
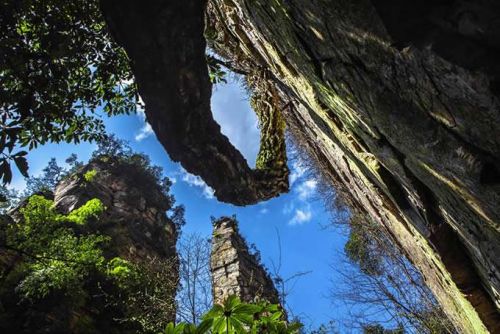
<point x="399" y="107"/>
<point x="63" y="272"/>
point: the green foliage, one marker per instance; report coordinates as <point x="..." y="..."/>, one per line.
<point x="47" y="181"/>
<point x="90" y="175"/>
<point x="112" y="149"/>
<point x="360" y="248"/>
<point x="146" y="292"/>
<point x="58" y="66"/>
<point x="328" y="328"/>
<point x="91" y="209"/>
<point x="268" y="105"/>
<point x="379" y="329"/>
<point x="73" y="163"/>
<point x="235" y="317"/>
<point x="122" y="271"/>
<point x="56" y="257"/>
<point x="215" y="72"/>
<point x="51" y="175"/>
<point x="70" y="260"/>
<point x="60" y="258"/>
<point x="8" y="198"/>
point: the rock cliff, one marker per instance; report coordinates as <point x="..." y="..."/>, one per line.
<point x="235" y="271"/>
<point x="137" y="230"/>
<point x="135" y="215"/>
<point x="411" y="133"/>
<point x="397" y="101"/>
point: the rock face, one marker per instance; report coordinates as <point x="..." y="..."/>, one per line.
<point x="411" y="132"/>
<point x="135" y="215"/>
<point x="139" y="231"/>
<point x="171" y="73"/>
<point x="235" y="271"/>
<point x="398" y="101"/>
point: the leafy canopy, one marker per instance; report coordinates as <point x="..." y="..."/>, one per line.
<point x="361" y="249"/>
<point x="58" y="66"/>
<point x="59" y="256"/>
<point x="56" y="257"/>
<point x="60" y="69"/>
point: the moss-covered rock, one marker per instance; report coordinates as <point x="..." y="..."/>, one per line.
<point x="409" y="136"/>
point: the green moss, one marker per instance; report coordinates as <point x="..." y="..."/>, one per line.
<point x="265" y="102"/>
<point x="90" y="175"/>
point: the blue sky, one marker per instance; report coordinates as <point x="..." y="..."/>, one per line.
<point x="299" y="216"/>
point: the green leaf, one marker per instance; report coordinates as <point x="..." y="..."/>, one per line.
<point x="22" y="165"/>
<point x="170" y="328"/>
<point x="216" y="311"/>
<point x="231" y="302"/>
<point x="238" y="328"/>
<point x="5" y="172"/>
<point x="204" y="326"/>
<point x="276" y="316"/>
<point x="219" y="325"/>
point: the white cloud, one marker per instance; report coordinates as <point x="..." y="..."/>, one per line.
<point x="141" y="114"/>
<point x="146" y="129"/>
<point x="263" y="211"/>
<point x="196" y="181"/>
<point x="298" y="208"/>
<point x="306" y="189"/>
<point x="144" y="132"/>
<point x="298" y="170"/>
<point x="301" y="216"/>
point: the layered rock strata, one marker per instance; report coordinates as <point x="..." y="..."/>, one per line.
<point x="235" y="271"/>
<point x="411" y="132"/>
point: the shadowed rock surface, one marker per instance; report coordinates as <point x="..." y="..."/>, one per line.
<point x="397" y="101"/>
<point x="165" y="42"/>
<point x="235" y="271"/>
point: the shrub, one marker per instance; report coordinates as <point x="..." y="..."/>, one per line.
<point x="235" y="317"/>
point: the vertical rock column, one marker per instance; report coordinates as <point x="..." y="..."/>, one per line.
<point x="235" y="271"/>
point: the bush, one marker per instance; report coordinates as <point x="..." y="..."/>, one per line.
<point x="56" y="257"/>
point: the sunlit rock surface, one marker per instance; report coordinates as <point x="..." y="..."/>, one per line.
<point x="407" y="127"/>
<point x="235" y="271"/>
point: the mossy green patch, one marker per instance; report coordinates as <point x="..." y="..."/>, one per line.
<point x="90" y="175"/>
